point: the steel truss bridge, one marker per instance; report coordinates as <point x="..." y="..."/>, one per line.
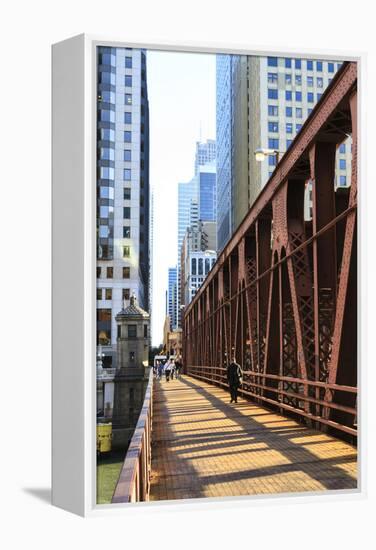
<point x="282" y="296"/>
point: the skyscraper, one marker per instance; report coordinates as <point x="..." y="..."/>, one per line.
<point x="224" y="146"/>
<point x="172" y="293"/>
<point x="268" y="99"/>
<point x="122" y="188"/>
<point x="197" y="199"/>
<point x="205" y="153"/>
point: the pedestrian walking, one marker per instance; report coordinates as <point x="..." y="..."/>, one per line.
<point x="172" y="369"/>
<point x="160" y="370"/>
<point x="167" y="370"/>
<point x="178" y="367"/>
<point x="235" y="379"/>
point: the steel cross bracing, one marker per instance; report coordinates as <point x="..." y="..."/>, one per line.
<point x="282" y="296"/>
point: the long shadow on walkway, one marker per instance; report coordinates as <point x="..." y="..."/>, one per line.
<point x="239" y="449"/>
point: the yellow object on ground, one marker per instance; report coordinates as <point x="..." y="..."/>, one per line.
<point x="104" y="437"/>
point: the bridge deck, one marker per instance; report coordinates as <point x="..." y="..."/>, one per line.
<point x="203" y="446"/>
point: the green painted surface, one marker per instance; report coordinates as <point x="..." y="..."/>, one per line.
<point x="108" y="470"/>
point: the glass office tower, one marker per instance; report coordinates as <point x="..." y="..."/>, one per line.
<point x="122" y="189"/>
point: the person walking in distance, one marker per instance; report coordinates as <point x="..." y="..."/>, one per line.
<point x="167" y="370"/>
<point x="234" y="378"/>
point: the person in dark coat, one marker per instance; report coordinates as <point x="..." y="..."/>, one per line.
<point x="234" y="378"/>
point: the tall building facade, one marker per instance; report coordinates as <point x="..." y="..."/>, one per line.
<point x="172" y="295"/>
<point x="122" y="189"/>
<point x="268" y="98"/>
<point x="205" y="153"/>
<point x="197" y="201"/>
<point x="224" y="146"/>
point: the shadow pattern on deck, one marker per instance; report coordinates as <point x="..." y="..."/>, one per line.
<point x="203" y="446"/>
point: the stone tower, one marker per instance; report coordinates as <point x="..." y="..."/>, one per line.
<point x="132" y="373"/>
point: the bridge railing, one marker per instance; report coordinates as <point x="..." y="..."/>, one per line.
<point x="255" y="385"/>
<point x="134" y="480"/>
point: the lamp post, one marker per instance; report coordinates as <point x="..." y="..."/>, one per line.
<point x="261" y="154"/>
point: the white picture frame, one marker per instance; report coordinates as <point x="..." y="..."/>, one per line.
<point x="73" y="271"/>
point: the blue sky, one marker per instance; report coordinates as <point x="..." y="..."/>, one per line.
<point x="181" y="90"/>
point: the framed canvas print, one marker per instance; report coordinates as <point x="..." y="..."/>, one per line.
<point x="205" y="290"/>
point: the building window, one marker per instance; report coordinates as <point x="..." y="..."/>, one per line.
<point x="108" y="293"/>
<point x="99" y="271"/>
<point x="127" y="155"/>
<point x="126" y="272"/>
<point x="288" y="128"/>
<point x="342" y="180"/>
<point x="128" y="99"/>
<point x="309" y="111"/>
<point x="288" y="95"/>
<point x="319" y="66"/>
<point x="298" y="96"/>
<point x="272" y="93"/>
<point x="342" y="164"/>
<point x="126" y="213"/>
<point x="299" y="112"/>
<point x="194" y="266"/>
<point x="131" y="358"/>
<point x="309" y="65"/>
<point x="273" y="126"/>
<point x="99" y="294"/>
<point x="132" y="331"/>
<point x="107" y="153"/>
<point x="309" y="81"/>
<point x="342" y="148"/>
<point x="320" y="82"/>
<point x="273" y="143"/>
<point x="298" y="79"/>
<point x="107" y="173"/>
<point x="288" y="63"/>
<point x="128" y="81"/>
<point x="128" y="62"/>
<point x="288" y="143"/>
<point x="331" y="67"/>
<point x="126" y="293"/>
<point x="288" y="79"/>
<point x="272" y="78"/>
<point x="298" y="127"/>
<point x="272" y="61"/>
<point x="127" y="137"/>
<point x="200" y="266"/>
<point x="298" y="63"/>
<point x="310" y="97"/>
<point x="127" y="118"/>
<point x="127" y="174"/>
<point x="126" y="232"/>
<point x="319" y="97"/>
<point x="289" y="111"/>
<point x="272" y="159"/>
<point x="145" y="331"/>
<point x="272" y="110"/>
<point x="127" y="193"/>
<point x="207" y="265"/>
<point x="106" y="116"/>
<point x="103" y="314"/>
<point x="126" y="251"/>
<point x="110" y="272"/>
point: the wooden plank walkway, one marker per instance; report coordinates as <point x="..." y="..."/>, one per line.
<point x="203" y="446"/>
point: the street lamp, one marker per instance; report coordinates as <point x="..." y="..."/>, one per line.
<point x="261" y="154"/>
